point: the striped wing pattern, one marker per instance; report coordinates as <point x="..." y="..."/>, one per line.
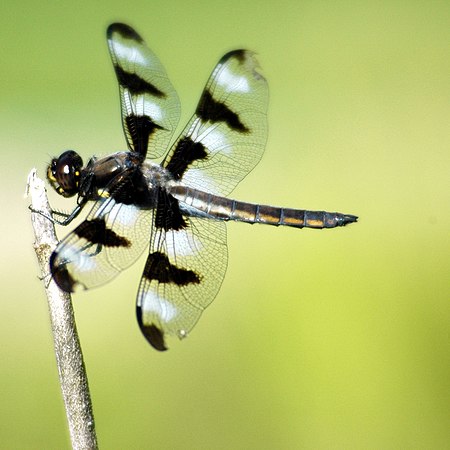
<point x="182" y="276"/>
<point x="226" y="137"/>
<point x="111" y="238"/>
<point x="150" y="105"/>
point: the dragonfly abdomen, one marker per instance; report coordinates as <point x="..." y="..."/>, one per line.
<point x="298" y="218"/>
<point x="223" y="208"/>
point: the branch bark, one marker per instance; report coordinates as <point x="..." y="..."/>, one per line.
<point x="69" y="357"/>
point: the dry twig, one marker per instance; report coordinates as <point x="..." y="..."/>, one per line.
<point x="69" y="358"/>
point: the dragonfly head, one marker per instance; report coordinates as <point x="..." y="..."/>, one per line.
<point x="64" y="173"/>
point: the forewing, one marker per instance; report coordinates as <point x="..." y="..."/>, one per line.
<point x="110" y="239"/>
<point x="183" y="274"/>
<point x="150" y="105"/>
<point x="226" y="136"/>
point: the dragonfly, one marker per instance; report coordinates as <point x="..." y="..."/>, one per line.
<point x="176" y="209"/>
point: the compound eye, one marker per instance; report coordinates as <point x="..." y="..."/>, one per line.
<point x="64" y="173"/>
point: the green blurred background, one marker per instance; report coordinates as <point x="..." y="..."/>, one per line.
<point x="318" y="339"/>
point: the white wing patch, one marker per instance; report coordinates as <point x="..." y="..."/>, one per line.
<point x="130" y="53"/>
<point x="179" y="242"/>
<point x="125" y="215"/>
<point x="213" y="138"/>
<point x="144" y="106"/>
<point x="154" y="304"/>
<point x="199" y="179"/>
<point x="82" y="261"/>
<point x="232" y="82"/>
<point x="184" y="244"/>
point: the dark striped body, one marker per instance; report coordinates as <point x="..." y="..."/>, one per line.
<point x="221" y="208"/>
